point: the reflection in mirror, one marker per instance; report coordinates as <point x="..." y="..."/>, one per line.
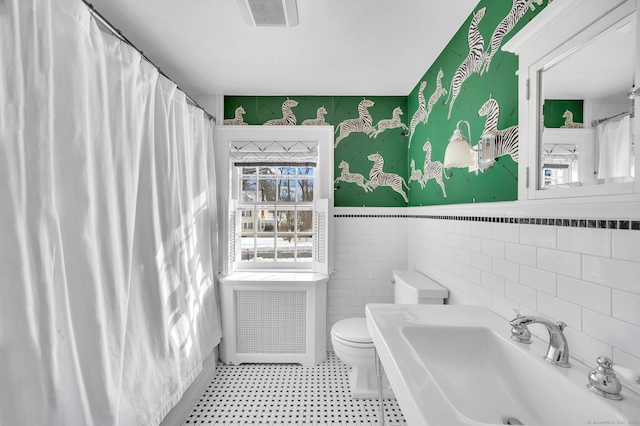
<point x="587" y="134"/>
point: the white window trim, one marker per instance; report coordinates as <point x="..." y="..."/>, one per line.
<point x="225" y="135"/>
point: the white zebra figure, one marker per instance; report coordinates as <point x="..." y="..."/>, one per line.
<point x="472" y="62"/>
<point x="416" y="174"/>
<point x="377" y="177"/>
<point x="518" y="9"/>
<point x="319" y="120"/>
<point x="418" y="116"/>
<point x="433" y="169"/>
<point x="392" y="123"/>
<point x="237" y="119"/>
<point x="437" y="94"/>
<point x="361" y="124"/>
<point x="569" y="123"/>
<point x="506" y="142"/>
<point x="288" y="117"/>
<point x="347" y="176"/>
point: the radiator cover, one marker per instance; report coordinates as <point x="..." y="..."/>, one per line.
<point x="271" y="321"/>
<point x="273" y="318"/>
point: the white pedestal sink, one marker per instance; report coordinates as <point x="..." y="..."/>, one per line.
<point x="456" y="365"/>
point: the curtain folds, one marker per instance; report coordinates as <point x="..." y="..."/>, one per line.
<point x="107" y="226"/>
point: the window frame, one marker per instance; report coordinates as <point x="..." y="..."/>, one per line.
<point x="277" y="205"/>
<point x="226" y="137"/>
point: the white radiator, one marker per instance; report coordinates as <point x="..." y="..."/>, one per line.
<point x="273" y="318"/>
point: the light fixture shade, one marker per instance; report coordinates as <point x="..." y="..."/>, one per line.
<point x="458" y="152"/>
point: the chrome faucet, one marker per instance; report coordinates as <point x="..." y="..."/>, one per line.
<point x="558" y="352"/>
<point x="604" y="381"/>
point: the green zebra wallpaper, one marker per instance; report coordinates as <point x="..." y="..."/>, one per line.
<point x="370" y="140"/>
<point x="471" y="80"/>
<point x="561" y="113"/>
<point x="389" y="149"/>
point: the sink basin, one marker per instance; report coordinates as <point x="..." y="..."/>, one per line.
<point x="456" y="365"/>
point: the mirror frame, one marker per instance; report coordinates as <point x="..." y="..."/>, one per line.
<point x="560" y="29"/>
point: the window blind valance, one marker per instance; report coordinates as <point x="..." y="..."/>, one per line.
<point x="242" y="152"/>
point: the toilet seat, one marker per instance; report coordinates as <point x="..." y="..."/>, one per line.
<point x="357" y="345"/>
<point x="353" y="332"/>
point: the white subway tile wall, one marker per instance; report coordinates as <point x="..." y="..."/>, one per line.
<point x="366" y="251"/>
<point x="588" y="278"/>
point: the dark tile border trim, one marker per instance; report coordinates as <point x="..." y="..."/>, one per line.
<point x="624" y="224"/>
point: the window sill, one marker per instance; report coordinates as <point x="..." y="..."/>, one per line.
<point x="280" y="276"/>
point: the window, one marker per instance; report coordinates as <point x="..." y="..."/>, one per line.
<point x="276" y="183"/>
<point x="276" y="204"/>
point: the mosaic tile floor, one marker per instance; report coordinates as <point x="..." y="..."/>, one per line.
<point x="287" y="394"/>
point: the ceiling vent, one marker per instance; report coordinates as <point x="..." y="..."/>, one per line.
<point x="269" y="13"/>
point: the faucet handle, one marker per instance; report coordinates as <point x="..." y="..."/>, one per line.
<point x="520" y="333"/>
<point x="603" y="381"/>
<point x="561" y="325"/>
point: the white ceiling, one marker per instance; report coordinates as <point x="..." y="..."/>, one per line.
<point x="340" y="47"/>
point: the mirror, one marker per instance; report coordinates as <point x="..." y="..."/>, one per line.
<point x="586" y="108"/>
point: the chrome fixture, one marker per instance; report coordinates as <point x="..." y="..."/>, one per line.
<point x="558" y="352"/>
<point x="604" y="382"/>
<point x="460" y="153"/>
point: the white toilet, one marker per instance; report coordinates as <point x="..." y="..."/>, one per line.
<point x="352" y="342"/>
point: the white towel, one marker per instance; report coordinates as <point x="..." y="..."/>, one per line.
<point x="614" y="141"/>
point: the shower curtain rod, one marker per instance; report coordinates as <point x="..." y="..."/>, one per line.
<point x="594" y="123"/>
<point x="117" y="33"/>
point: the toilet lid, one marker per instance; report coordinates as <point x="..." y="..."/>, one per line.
<point x="353" y="330"/>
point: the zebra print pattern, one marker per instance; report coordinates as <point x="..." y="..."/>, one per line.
<point x="349" y="177"/>
<point x="416" y="174"/>
<point x="437" y="94"/>
<point x="518" y="9"/>
<point x="421" y="112"/>
<point x="432" y="169"/>
<point x="319" y="120"/>
<point x="568" y="121"/>
<point x="237" y="119"/>
<point x="361" y="124"/>
<point x="392" y="123"/>
<point x="472" y="62"/>
<point x="288" y="118"/>
<point x="507" y="139"/>
<point x="379" y="178"/>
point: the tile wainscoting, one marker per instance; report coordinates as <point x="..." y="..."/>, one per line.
<point x="584" y="271"/>
<point x="369" y="244"/>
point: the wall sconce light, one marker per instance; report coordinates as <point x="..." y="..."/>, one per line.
<point x="460" y="153"/>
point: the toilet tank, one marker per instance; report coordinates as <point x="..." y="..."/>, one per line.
<point x="412" y="287"/>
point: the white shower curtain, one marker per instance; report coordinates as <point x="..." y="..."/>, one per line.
<point x="107" y="226"/>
